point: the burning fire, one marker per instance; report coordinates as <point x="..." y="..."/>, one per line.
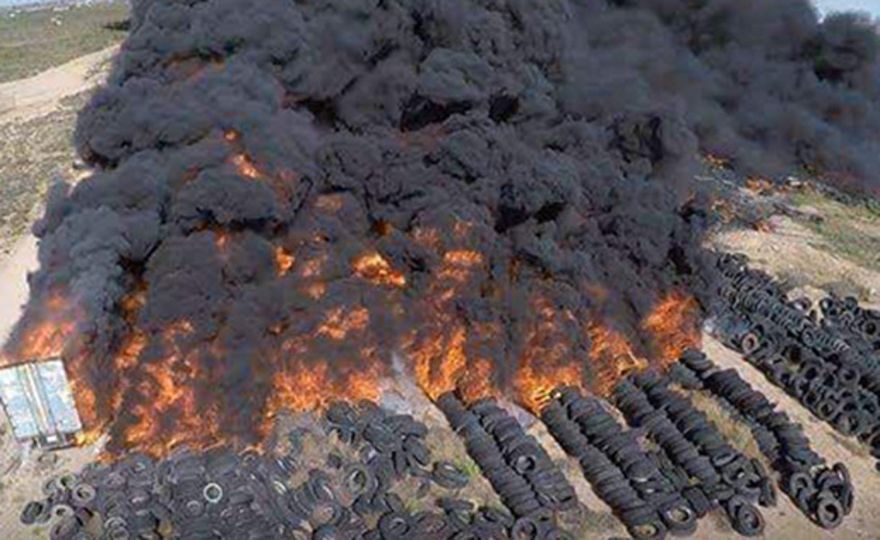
<point x="306" y="387"/>
<point x="374" y="268"/>
<point x="170" y="413"/>
<point x="338" y="324"/>
<point x="612" y="357"/>
<point x="448" y="354"/>
<point x="674" y="326"/>
<point x="717" y="162"/>
<point x="51" y="334"/>
<point x="284" y="261"/>
<point x="549" y="359"/>
<point x="245" y="166"/>
<point x="441" y="364"/>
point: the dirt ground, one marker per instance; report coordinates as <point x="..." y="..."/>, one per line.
<point x="795" y="253"/>
<point x="39" y="95"/>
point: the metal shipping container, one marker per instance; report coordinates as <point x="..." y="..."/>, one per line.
<point x="39" y="403"/>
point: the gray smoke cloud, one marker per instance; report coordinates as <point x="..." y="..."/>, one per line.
<point x="511" y="162"/>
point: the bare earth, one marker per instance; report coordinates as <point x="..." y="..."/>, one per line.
<point x="40" y="94"/>
<point x="795" y="252"/>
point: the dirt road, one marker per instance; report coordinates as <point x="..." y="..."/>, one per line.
<point x="39" y="95"/>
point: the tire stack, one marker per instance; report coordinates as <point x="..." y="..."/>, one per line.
<point x="196" y="495"/>
<point x="219" y="493"/>
<point x="823" y="493"/>
<point x="715" y="472"/>
<point x="392" y="446"/>
<point x="860" y="327"/>
<point x="824" y="364"/>
<point x="861" y="330"/>
<point x="624" y="476"/>
<point x="530" y="485"/>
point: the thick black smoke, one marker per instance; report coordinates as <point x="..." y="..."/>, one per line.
<point x="512" y="163"/>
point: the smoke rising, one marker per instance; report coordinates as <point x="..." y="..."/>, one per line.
<point x="288" y="192"/>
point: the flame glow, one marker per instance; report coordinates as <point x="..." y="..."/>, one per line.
<point x="48" y="336"/>
<point x="612" y="357"/>
<point x="374" y="268"/>
<point x="549" y="361"/>
<point x="284" y="261"/>
<point x="245" y="166"/>
<point x="674" y="326"/>
<point x="171" y="413"/>
<point x="447" y="354"/>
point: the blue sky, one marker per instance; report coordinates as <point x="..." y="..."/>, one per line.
<point x="871" y="6"/>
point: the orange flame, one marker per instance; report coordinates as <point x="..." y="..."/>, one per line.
<point x="612" y="357"/>
<point x="304" y="388"/>
<point x="245" y="166"/>
<point x="374" y="268"/>
<point x="458" y="265"/>
<point x="284" y="261"/>
<point x="535" y="383"/>
<point x="337" y="325"/>
<point x="549" y="360"/>
<point x="49" y="336"/>
<point x="674" y="326"/>
<point x="170" y="413"/>
<point x="717" y="162"/>
<point x="440" y="364"/>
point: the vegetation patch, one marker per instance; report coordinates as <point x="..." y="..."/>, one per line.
<point x="35" y="153"/>
<point x="33" y="41"/>
<point x="850" y="231"/>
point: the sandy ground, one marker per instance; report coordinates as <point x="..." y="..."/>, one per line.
<point x="793" y="251"/>
<point x="39" y="95"/>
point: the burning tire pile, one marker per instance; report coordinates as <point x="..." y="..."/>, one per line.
<point x="824" y="493"/>
<point x="830" y="365"/>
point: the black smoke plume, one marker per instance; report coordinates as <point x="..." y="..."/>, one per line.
<point x="291" y="188"/>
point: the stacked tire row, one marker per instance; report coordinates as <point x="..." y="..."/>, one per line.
<point x="824" y="364"/>
<point x="529" y="484"/>
<point x="823" y="493"/>
<point x="755" y="294"/>
<point x="860" y="327"/>
<point x="219" y="494"/>
<point x="713" y="472"/>
<point x="222" y="494"/>
<point x="624" y="476"/>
